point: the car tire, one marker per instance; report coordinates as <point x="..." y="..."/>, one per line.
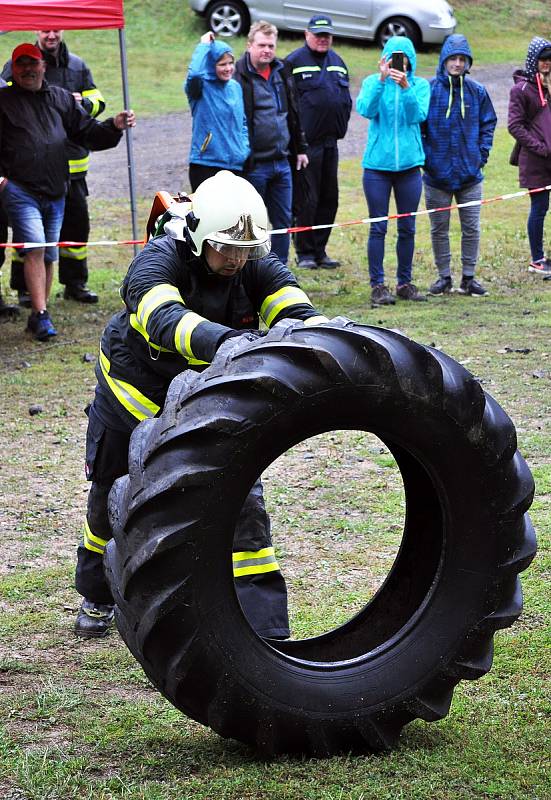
<point x="399" y="26"/>
<point x="227" y="18"/>
<point x="453" y="584"/>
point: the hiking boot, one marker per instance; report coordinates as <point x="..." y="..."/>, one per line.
<point x="326" y="262"/>
<point x="381" y="296"/>
<point x="24" y="299"/>
<point x="307" y="262"/>
<point x="409" y="291"/>
<point x="542" y="266"/>
<point x="441" y="286"/>
<point x="94" y="620"/>
<point x="41" y="326"/>
<point x="79" y="292"/>
<point x="471" y="287"/>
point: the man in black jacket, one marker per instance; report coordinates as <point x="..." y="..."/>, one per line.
<point x="210" y="276"/>
<point x="275" y="133"/>
<point x="69" y="71"/>
<point x="36" y="121"/>
<point x="322" y="82"/>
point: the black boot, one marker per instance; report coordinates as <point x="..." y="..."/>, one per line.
<point x="79" y="292"/>
<point x="94" y="620"/>
<point x="8" y="311"/>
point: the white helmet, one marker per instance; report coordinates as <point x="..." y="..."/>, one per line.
<point x="227" y="212"/>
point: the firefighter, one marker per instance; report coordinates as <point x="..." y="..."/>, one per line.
<point x="209" y="276"/>
<point x="67" y="70"/>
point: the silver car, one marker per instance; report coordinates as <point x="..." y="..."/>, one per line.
<point x="423" y="22"/>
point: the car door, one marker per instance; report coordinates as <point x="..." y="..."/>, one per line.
<point x="349" y="17"/>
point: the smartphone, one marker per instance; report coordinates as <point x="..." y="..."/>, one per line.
<point x="397" y="61"/>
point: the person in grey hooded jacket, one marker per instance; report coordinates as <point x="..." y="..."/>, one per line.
<point x="458" y="137"/>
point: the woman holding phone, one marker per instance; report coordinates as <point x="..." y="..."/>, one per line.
<point x="396" y="102"/>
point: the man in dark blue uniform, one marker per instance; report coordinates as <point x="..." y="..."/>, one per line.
<point x="322" y="82"/>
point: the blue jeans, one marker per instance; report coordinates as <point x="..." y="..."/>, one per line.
<point x="440" y="227"/>
<point x="274" y="183"/>
<point x="539" y="206"/>
<point x="33" y="218"/>
<point x="378" y="185"/>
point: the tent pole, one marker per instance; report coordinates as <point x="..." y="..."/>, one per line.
<point x="129" y="150"/>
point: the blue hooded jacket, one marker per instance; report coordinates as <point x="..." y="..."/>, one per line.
<point x="395" y="114"/>
<point x="459" y="130"/>
<point x="219" y="136"/>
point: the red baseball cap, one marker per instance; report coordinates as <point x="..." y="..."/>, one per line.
<point x="26" y="50"/>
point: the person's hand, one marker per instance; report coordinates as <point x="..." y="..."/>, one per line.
<point x="77" y="96"/>
<point x="207" y="37"/>
<point x="302" y="161"/>
<point x="384" y="69"/>
<point x="125" y="119"/>
<point x="399" y="77"/>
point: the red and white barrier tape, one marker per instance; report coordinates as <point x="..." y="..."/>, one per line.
<point x="364" y="221"/>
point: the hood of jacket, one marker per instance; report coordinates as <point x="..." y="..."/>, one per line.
<point x="454" y="45"/>
<point x="534" y="49"/>
<point x="405" y="45"/>
<point x="216" y="50"/>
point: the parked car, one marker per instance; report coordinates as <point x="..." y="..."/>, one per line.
<point x="423" y="22"/>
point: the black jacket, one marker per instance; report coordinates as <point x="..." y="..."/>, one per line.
<point x="34" y="130"/>
<point x="323" y="87"/>
<point x="177" y="313"/>
<point x="247" y="77"/>
<point x="71" y="73"/>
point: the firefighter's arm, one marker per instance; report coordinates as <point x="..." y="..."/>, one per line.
<point x="279" y="296"/>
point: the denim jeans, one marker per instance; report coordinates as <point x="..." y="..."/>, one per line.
<point x="539" y="206"/>
<point x="33" y="218"/>
<point x="440" y="227"/>
<point x="407" y="186"/>
<point x="273" y="181"/>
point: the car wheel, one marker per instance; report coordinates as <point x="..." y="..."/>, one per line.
<point x="399" y="26"/>
<point x="453" y="584"/>
<point x="227" y="19"/>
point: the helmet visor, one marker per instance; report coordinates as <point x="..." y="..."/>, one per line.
<point x="235" y="251"/>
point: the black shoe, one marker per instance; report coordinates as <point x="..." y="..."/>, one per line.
<point x="41" y="326"/>
<point x="325" y="262"/>
<point x="409" y="291"/>
<point x="381" y="296"/>
<point x="24" y="299"/>
<point x="441" y="286"/>
<point x="80" y="293"/>
<point x="94" y="620"/>
<point x="8" y="311"/>
<point x="471" y="287"/>
<point x="307" y="262"/>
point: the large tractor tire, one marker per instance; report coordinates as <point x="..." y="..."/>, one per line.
<point x="454" y="581"/>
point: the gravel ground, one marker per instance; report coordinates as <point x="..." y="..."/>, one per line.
<point x="161" y="145"/>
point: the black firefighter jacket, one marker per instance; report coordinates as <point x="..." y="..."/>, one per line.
<point x="177" y="313"/>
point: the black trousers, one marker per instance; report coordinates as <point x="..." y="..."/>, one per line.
<point x="200" y="172"/>
<point x="316" y="199"/>
<point x="3" y="233"/>
<point x="263" y="596"/>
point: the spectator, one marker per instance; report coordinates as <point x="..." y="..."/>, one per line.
<point x="396" y="103"/>
<point x="275" y="133"/>
<point x="207" y="278"/>
<point x="6" y="311"/>
<point x="530" y="125"/>
<point x="459" y="133"/>
<point x="69" y="71"/>
<point x="321" y="79"/>
<point x="36" y="120"/>
<point x="219" y="138"/>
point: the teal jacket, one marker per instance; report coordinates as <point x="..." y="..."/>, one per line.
<point x="219" y="136"/>
<point x="395" y="115"/>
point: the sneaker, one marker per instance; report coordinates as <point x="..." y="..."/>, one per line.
<point x="41" y="326"/>
<point x="94" y="620"/>
<point x="24" y="299"/>
<point x="326" y="262"/>
<point x="381" y="296"/>
<point x="409" y="291"/>
<point x="541" y="266"/>
<point x="471" y="287"/>
<point x="80" y="293"/>
<point x="441" y="286"/>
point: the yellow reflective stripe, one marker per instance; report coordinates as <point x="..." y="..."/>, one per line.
<point x="160" y="294"/>
<point x="337" y="69"/>
<point x="79" y="164"/>
<point x="142" y="331"/>
<point x="182" y="334"/>
<point x="275" y="303"/>
<point x="254" y="562"/>
<point x="78" y="253"/>
<point x="298" y="70"/>
<point x="96" y="97"/>
<point x="128" y="396"/>
<point x="315" y="320"/>
<point x="92" y="542"/>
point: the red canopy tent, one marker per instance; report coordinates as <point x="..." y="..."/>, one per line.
<point x="45" y="15"/>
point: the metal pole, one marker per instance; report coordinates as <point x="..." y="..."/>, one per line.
<point x="129" y="150"/>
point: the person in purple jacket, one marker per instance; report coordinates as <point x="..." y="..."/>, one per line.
<point x="530" y="124"/>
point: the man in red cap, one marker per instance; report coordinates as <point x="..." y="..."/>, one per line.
<point x="36" y="121"/>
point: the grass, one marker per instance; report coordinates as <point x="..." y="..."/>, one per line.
<point x="79" y="719"/>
